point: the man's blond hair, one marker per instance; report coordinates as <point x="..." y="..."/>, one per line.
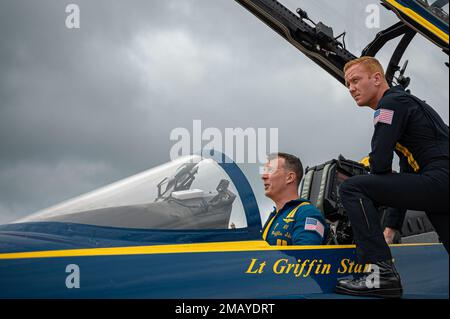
<point x="371" y="64"/>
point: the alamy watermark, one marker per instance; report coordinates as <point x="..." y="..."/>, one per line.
<point x="373" y="19"/>
<point x="73" y="279"/>
<point x="73" y="18"/>
<point x="250" y="145"/>
<point x="373" y="280"/>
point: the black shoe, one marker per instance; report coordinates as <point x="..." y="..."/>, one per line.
<point x="390" y="285"/>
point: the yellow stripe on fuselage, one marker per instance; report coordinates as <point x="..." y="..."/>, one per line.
<point x="420" y="20"/>
<point x="241" y="246"/>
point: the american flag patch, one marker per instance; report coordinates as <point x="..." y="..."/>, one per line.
<point x="383" y="116"/>
<point x="313" y="224"/>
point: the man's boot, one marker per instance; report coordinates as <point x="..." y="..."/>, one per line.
<point x="388" y="285"/>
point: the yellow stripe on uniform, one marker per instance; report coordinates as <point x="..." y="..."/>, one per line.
<point x="291" y="215"/>
<point x="365" y="161"/>
<point x="281" y="242"/>
<point x="409" y="156"/>
<point x="294" y="211"/>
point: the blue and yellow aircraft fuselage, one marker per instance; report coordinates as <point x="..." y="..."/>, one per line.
<point x="59" y="253"/>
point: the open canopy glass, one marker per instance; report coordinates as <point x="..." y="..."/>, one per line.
<point x="189" y="193"/>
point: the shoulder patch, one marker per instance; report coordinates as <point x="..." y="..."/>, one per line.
<point x="383" y="116"/>
<point x="313" y="224"/>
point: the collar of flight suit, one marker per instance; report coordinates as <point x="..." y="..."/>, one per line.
<point x="292" y="204"/>
<point x="394" y="89"/>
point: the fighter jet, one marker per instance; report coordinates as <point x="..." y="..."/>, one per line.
<point x="192" y="228"/>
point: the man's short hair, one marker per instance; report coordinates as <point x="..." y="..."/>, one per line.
<point x="292" y="163"/>
<point x="371" y="64"/>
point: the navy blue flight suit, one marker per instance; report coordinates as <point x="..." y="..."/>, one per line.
<point x="411" y="128"/>
<point x="297" y="223"/>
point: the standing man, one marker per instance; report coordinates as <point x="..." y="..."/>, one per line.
<point x="294" y="221"/>
<point x="408" y="126"/>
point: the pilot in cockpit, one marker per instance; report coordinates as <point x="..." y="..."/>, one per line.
<point x="294" y="221"/>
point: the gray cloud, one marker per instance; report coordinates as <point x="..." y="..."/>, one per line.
<point x="82" y="108"/>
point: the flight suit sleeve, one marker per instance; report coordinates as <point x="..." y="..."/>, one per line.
<point x="387" y="133"/>
<point x="310" y="227"/>
<point x="404" y="166"/>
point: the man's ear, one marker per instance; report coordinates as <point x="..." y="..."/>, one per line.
<point x="378" y="78"/>
<point x="290" y="178"/>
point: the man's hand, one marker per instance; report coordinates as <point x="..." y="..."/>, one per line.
<point x="390" y="235"/>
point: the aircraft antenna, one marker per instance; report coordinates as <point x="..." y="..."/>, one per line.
<point x="304" y="16"/>
<point x="342" y="35"/>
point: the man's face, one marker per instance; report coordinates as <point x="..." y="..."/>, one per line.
<point x="275" y="177"/>
<point x="362" y="86"/>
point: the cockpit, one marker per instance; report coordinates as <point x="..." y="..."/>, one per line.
<point x="191" y="193"/>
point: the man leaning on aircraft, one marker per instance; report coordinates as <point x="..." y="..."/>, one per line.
<point x="294" y="220"/>
<point x="410" y="127"/>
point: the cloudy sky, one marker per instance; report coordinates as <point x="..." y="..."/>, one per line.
<point x="81" y="108"/>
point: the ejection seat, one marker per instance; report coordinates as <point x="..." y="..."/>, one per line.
<point x="321" y="187"/>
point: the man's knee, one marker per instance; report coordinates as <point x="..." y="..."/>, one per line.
<point x="349" y="187"/>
